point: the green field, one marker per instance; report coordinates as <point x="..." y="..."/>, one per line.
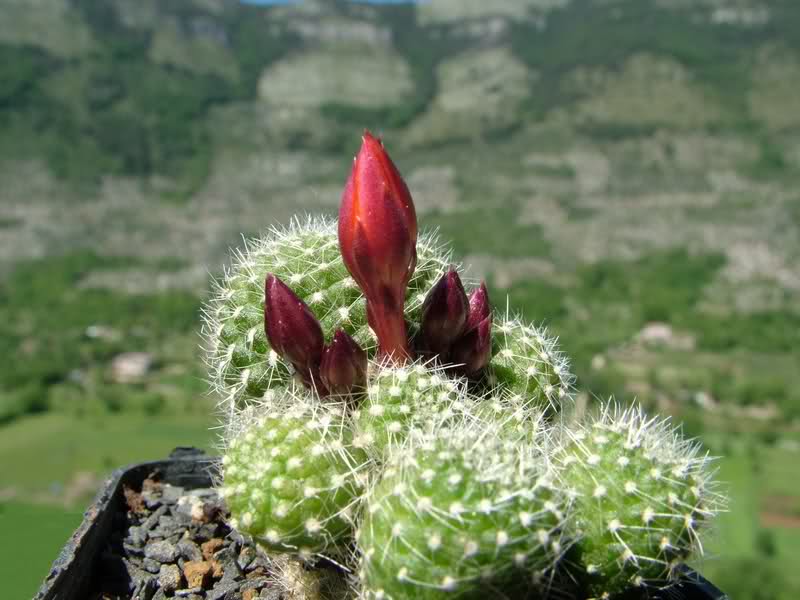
<point x="43" y="531"/>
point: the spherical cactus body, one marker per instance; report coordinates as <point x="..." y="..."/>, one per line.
<point x="641" y="494"/>
<point x="525" y="361"/>
<point x="399" y="399"/>
<point x="455" y="512"/>
<point x="306" y="257"/>
<point x="291" y="478"/>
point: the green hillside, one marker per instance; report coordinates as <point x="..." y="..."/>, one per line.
<point x="626" y="171"/>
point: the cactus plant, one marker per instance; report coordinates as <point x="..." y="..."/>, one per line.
<point x="457" y="511"/>
<point x="642" y="495"/>
<point x="373" y="408"/>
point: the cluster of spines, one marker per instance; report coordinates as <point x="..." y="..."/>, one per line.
<point x="459" y="509"/>
<point x="292" y="478"/>
<point x="641" y="495"/>
<point x="306" y="256"/>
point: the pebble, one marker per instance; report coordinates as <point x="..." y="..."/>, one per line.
<point x="197" y="573"/>
<point x="195" y="591"/>
<point x="137" y="535"/>
<point x="152" y="520"/>
<point x="189" y="550"/>
<point x="210" y="547"/>
<point x="162" y="551"/>
<point x="151" y="566"/>
<point x="170" y="578"/>
<point x="221" y="591"/>
<point x="246" y="556"/>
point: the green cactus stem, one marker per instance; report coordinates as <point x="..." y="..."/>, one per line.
<point x="642" y="497"/>
<point x="526" y="361"/>
<point x="458" y="510"/>
<point x="290" y="476"/>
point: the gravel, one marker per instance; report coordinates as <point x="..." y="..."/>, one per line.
<point x="174" y="543"/>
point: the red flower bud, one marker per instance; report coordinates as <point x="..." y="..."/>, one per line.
<point x="473" y="351"/>
<point x="479" y="307"/>
<point x="378" y="242"/>
<point x="444" y="313"/>
<point x="293" y="331"/>
<point x="344" y="364"/>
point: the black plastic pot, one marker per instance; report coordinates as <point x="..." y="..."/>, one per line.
<point x="76" y="568"/>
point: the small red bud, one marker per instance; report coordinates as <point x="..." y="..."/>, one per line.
<point x="378" y="242"/>
<point x="344" y="364"/>
<point x="292" y="330"/>
<point x="444" y="313"/>
<point x="479" y="307"/>
<point x="473" y="350"/>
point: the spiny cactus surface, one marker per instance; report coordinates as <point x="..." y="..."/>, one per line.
<point x="526" y="361"/>
<point x="305" y="256"/>
<point x="399" y="399"/>
<point x="457" y="511"/>
<point x="642" y="494"/>
<point x="291" y="477"/>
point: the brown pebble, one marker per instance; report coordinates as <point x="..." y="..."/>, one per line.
<point x="216" y="569"/>
<point x="134" y="501"/>
<point x="250" y="594"/>
<point x="196" y="573"/>
<point x="211" y="546"/>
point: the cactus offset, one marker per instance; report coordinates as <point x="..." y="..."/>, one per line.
<point x="642" y="495"/>
<point x="291" y="477"/>
<point x="458" y="510"/>
<point x="399" y="399"/>
<point x="527" y="362"/>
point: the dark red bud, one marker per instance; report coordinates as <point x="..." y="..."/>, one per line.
<point x="479" y="307"/>
<point x="344" y="365"/>
<point x="292" y="330"/>
<point x="444" y="313"/>
<point x="378" y="242"/>
<point x="473" y="351"/>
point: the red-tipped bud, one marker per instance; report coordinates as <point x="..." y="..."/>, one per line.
<point x="344" y="365"/>
<point x="444" y="313"/>
<point x="292" y="330"/>
<point x="479" y="307"/>
<point x="473" y="350"/>
<point x="378" y="242"/>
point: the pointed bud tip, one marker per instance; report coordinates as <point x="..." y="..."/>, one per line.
<point x="479" y="306"/>
<point x="344" y="364"/>
<point x="444" y="313"/>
